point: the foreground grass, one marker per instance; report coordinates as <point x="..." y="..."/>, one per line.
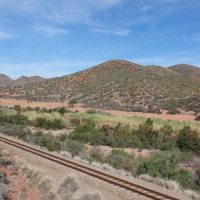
<point x="100" y="119"/>
<point x="111" y="120"/>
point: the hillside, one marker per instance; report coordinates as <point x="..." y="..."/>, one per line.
<point x="6" y="81"/>
<point x="187" y="70"/>
<point x="119" y="85"/>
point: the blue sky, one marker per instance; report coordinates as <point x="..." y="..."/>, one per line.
<point x="59" y="37"/>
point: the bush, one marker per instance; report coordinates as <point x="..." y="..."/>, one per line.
<point x="61" y="110"/>
<point x="91" y="111"/>
<point x="188" y="140"/>
<point x="171" y="185"/>
<point x="5" y="162"/>
<point x="5" y="193"/>
<point x="197" y="118"/>
<point x="83" y="131"/>
<point x="173" y="111"/>
<point x="184" y="178"/>
<point x="74" y="147"/>
<point x="14" y="119"/>
<point x="121" y="160"/>
<point x="16" y="131"/>
<point x="91" y="196"/>
<point x="162" y="165"/>
<point x="97" y="154"/>
<point x="68" y="187"/>
<point x="3" y="178"/>
<point x="192" y="195"/>
<point x="48" y="124"/>
<point x="197" y="176"/>
<point x="49" y="142"/>
<point x="39" y="122"/>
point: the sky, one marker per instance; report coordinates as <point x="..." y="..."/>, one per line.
<point x="53" y="38"/>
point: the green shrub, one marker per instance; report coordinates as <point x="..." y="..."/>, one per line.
<point x="184" y="178"/>
<point x="14" y="119"/>
<point x="188" y="140"/>
<point x="97" y="155"/>
<point x="197" y="176"/>
<point x="48" y="124"/>
<point x="160" y="165"/>
<point x="49" y="142"/>
<point x="39" y="122"/>
<point x="197" y="118"/>
<point x="61" y="110"/>
<point x="121" y="160"/>
<point x="74" y="147"/>
<point x="16" y="131"/>
<point x="91" y="111"/>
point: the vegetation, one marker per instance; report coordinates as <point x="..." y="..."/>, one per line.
<point x="119" y="85"/>
<point x="177" y="142"/>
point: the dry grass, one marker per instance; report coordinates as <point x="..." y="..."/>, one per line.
<point x="37" y="177"/>
<point x="4" y="152"/>
<point x="68" y="187"/>
<point x="171" y="185"/>
<point x="191" y="194"/>
<point x="65" y="154"/>
<point x="91" y="196"/>
<point x="111" y="120"/>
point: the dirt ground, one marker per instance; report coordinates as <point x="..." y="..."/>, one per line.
<point x="106" y="150"/>
<point x="24" y="103"/>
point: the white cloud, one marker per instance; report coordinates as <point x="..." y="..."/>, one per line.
<point x="123" y="32"/>
<point x="48" y="30"/>
<point x="7" y="35"/>
<point x="61" y="11"/>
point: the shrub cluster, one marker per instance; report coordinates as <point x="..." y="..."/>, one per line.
<point x="145" y="136"/>
<point x="165" y="165"/>
<point x="23" y="120"/>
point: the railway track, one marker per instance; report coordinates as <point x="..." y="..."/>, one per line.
<point x="95" y="173"/>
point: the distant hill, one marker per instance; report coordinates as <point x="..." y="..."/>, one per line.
<point x="6" y="81"/>
<point x="187" y="70"/>
<point x="120" y="85"/>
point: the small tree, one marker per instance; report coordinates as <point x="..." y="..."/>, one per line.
<point x="18" y="109"/>
<point x="72" y="102"/>
<point x="188" y="140"/>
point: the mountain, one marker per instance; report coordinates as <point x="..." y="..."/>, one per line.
<point x="25" y="80"/>
<point x="187" y="70"/>
<point x="121" y="85"/>
<point x="6" y="81"/>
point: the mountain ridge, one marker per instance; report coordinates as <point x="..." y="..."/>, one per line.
<point x="120" y="85"/>
<point x="6" y="81"/>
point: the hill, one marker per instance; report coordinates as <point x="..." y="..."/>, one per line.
<point x="6" y="81"/>
<point x="119" y="85"/>
<point x="187" y="70"/>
